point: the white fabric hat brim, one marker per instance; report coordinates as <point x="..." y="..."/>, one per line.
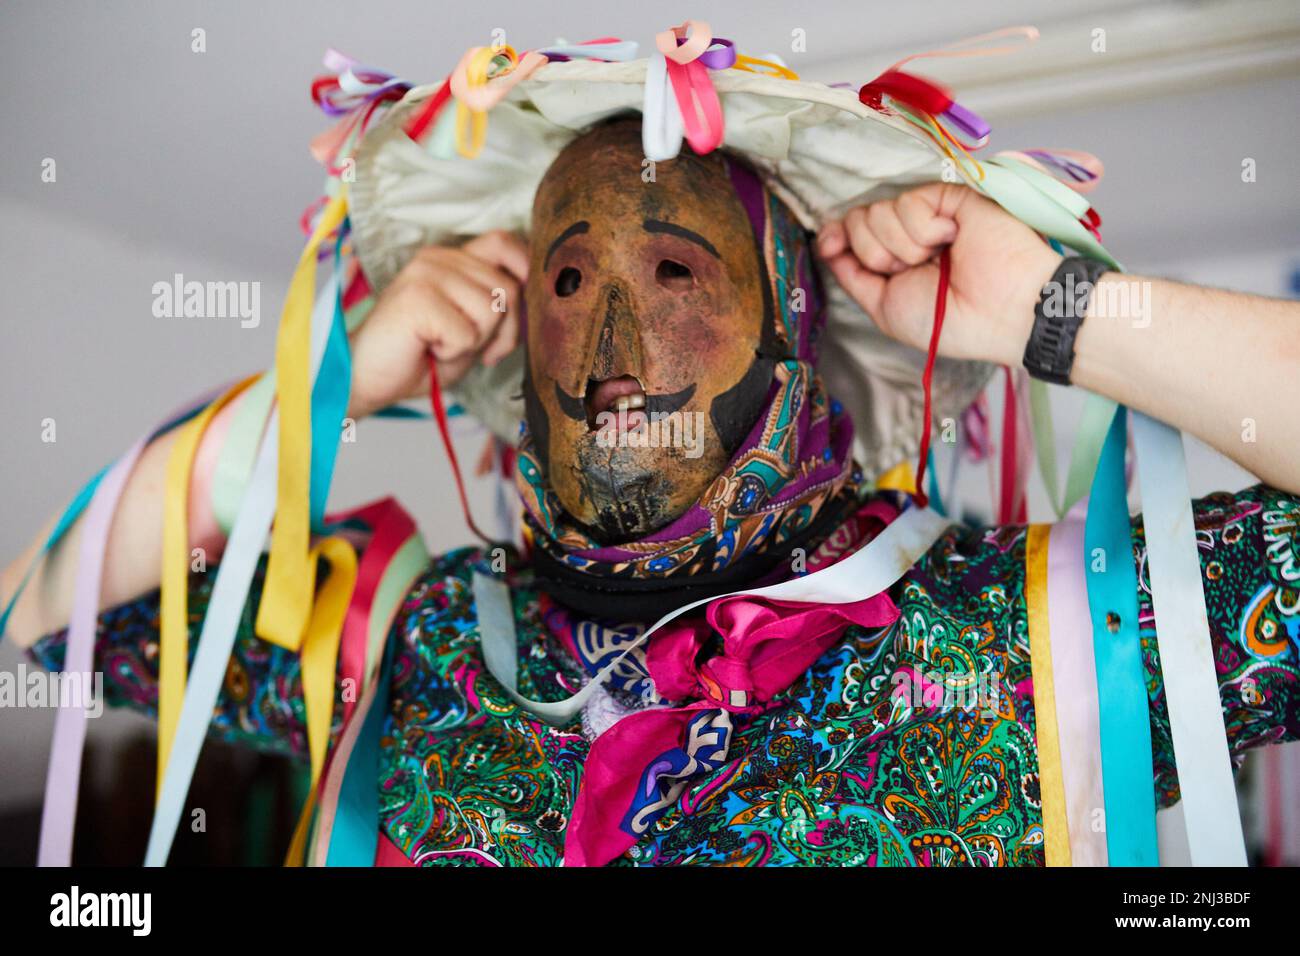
<point x="818" y="147"/>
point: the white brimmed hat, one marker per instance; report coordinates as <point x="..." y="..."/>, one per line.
<point x="817" y="146"/>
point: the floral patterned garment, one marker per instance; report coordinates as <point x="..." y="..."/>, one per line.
<point x="841" y="768"/>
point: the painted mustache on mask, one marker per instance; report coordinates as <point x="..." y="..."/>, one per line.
<point x="576" y="408"/>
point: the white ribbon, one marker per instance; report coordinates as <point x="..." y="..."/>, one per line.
<point x="1186" y="652"/>
<point x="226" y="608"/>
<point x="865" y="573"/>
<point x="661" y="119"/>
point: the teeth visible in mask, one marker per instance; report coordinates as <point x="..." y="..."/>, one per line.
<point x="627" y="403"/>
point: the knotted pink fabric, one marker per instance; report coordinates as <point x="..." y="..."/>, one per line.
<point x="638" y="768"/>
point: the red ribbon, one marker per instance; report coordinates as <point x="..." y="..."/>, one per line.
<point x="927" y="377"/>
<point x="444" y="430"/>
<point x="916" y="92"/>
<point x="420" y="121"/>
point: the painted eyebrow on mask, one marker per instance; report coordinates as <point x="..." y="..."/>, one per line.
<point x="654" y="225"/>
<point x="577" y="229"/>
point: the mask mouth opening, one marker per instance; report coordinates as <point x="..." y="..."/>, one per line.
<point x="614" y="400"/>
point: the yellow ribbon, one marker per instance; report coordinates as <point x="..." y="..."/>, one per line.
<point x="475" y="95"/>
<point x="1051" y="783"/>
<point x="290" y="576"/>
<point x="956" y="152"/>
<point x="319" y="660"/>
<point x="173" y="604"/>
<point x="752" y="64"/>
<point x="471" y="124"/>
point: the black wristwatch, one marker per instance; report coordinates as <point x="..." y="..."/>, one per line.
<point x="1049" y="353"/>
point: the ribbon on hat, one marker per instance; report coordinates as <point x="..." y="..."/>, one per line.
<point x="480" y="81"/>
<point x="353" y="93"/>
<point x="769" y="65"/>
<point x="686" y="54"/>
<point x="661" y="122"/>
<point x="420" y="121"/>
<point x="604" y="49"/>
<point x="928" y="97"/>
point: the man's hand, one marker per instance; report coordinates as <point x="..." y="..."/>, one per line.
<point x="462" y="305"/>
<point x="884" y="256"/>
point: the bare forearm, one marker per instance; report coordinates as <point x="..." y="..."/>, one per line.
<point x="1223" y="366"/>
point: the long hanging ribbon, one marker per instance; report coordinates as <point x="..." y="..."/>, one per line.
<point x="287" y="599"/>
<point x="173" y="609"/>
<point x="440" y="416"/>
<point x="1074" y="670"/>
<point x="1011" y="492"/>
<point x="1088" y="440"/>
<point x="238" y="453"/>
<point x="354" y="790"/>
<point x="319" y="658"/>
<point x="393" y="556"/>
<point x="1125" y="720"/>
<point x="400" y="566"/>
<point x="1209" y="795"/>
<point x="1044" y="203"/>
<point x="226" y="608"/>
<point x="329" y="397"/>
<point x="59" y="811"/>
<point x="927" y="376"/>
<point x="1056" y="829"/>
<point x="330" y="392"/>
<point x="62" y="782"/>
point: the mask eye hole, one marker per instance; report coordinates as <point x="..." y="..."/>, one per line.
<point x="567" y="282"/>
<point x="673" y="275"/>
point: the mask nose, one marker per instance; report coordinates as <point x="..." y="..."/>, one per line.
<point x="618" y="346"/>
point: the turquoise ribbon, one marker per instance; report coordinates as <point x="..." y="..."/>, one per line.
<point x="1125" y="722"/>
<point x="936" y="502"/>
<point x="329" y="400"/>
<point x="70" y="514"/>
<point x="355" y="837"/>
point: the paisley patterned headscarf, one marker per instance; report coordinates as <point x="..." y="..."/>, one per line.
<point x="788" y="484"/>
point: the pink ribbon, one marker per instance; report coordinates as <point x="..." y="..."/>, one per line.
<point x="637" y="769"/>
<point x="691" y="51"/>
<point x="62" y="780"/>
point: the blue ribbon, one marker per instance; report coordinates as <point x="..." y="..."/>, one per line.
<point x="329" y="400"/>
<point x="1125" y="722"/>
<point x="355" y="836"/>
